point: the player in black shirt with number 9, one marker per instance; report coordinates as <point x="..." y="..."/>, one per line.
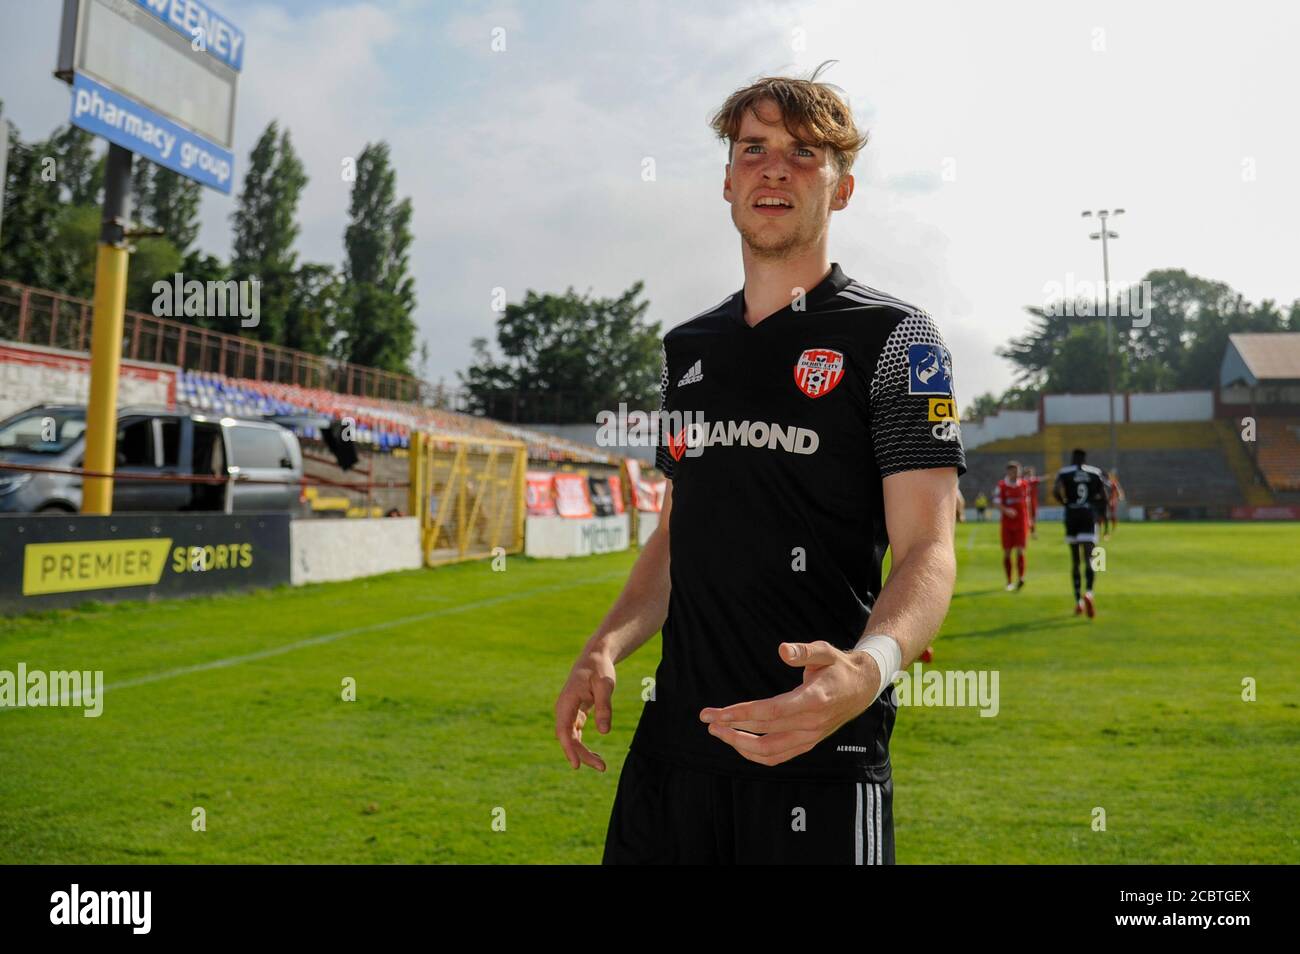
<point x="1084" y="492"/>
<point x="811" y="425"/>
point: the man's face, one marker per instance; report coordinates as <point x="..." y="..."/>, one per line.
<point x="782" y="190"/>
<point x="1013" y="474"/>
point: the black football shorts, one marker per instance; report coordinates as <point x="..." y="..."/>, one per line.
<point x="667" y="814"/>
<point x="1080" y="525"/>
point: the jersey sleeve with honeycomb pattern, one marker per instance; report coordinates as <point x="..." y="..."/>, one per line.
<point x="663" y="459"/>
<point x="905" y="433"/>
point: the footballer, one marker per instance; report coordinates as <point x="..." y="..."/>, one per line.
<point x="1012" y="498"/>
<point x="1082" y="490"/>
<point x="820" y="436"/>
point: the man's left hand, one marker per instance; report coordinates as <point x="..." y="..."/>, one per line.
<point x="837" y="686"/>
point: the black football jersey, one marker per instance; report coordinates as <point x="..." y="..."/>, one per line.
<point x="1083" y="487"/>
<point x="777" y="439"/>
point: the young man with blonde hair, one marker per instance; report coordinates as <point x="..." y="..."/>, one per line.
<point x="822" y="433"/>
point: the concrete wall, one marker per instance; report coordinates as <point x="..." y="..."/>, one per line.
<point x="1080" y="409"/>
<point x="1147" y="408"/>
<point x="1172" y="406"/>
<point x="332" y="549"/>
<point x="566" y="537"/>
<point x="1000" y="426"/>
<point x="1262" y="397"/>
<point x="31" y="374"/>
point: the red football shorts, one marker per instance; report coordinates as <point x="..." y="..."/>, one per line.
<point x="1013" y="534"/>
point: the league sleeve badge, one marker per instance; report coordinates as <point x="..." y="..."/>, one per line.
<point x="929" y="370"/>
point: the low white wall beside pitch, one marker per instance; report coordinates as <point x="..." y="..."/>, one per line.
<point x="567" y="536"/>
<point x="324" y="550"/>
<point x="646" y="524"/>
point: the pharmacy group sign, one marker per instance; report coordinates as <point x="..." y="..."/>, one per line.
<point x="158" y="78"/>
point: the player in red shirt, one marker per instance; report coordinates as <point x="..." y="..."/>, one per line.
<point x="1012" y="498"/>
<point x="1033" y="480"/>
<point x="1114" y="495"/>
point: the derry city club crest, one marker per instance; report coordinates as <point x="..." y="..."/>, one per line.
<point x="818" y="370"/>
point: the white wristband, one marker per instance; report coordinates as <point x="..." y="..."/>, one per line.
<point x="887" y="654"/>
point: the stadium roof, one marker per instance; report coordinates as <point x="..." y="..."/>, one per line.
<point x="1261" y="357"/>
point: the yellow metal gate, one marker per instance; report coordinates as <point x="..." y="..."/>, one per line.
<point x="469" y="495"/>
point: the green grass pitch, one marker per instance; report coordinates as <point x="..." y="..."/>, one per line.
<point x="233" y="704"/>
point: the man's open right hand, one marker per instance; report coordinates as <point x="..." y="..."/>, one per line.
<point x="590" y="685"/>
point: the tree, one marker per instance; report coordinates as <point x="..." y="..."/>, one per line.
<point x="1032" y="352"/>
<point x="1019" y="399"/>
<point x="153" y="259"/>
<point x="80" y="172"/>
<point x="1178" y="344"/>
<point x="378" y="330"/>
<point x="312" y="319"/>
<point x="1153" y="356"/>
<point x="567" y="357"/>
<point x="32" y="209"/>
<point x="74" y="240"/>
<point x="984" y="405"/>
<point x="52" y="220"/>
<point x="1012" y="399"/>
<point x="166" y="200"/>
<point x="266" y="227"/>
<point x="1204" y="354"/>
<point x="1079" y="364"/>
<point x="201" y="267"/>
<point x="380" y="333"/>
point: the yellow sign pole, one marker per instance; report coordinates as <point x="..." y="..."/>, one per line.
<point x="106" y="334"/>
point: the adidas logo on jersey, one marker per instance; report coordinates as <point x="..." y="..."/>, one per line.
<point x="694" y="374"/>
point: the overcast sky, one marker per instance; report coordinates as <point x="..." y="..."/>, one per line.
<point x="992" y="126"/>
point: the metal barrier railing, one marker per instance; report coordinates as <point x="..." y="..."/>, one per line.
<point x="229" y="480"/>
<point x="38" y="316"/>
<point x="469" y="495"/>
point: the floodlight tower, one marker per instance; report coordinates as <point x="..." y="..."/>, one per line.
<point x="1105" y="234"/>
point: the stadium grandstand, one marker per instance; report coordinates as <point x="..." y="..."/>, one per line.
<point x="226" y="374"/>
<point x="1229" y="453"/>
<point x="380" y="423"/>
<point x="1260" y="379"/>
<point x="1188" y="454"/>
<point x="44" y="345"/>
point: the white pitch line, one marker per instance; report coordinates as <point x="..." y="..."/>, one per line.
<point x="329" y="638"/>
